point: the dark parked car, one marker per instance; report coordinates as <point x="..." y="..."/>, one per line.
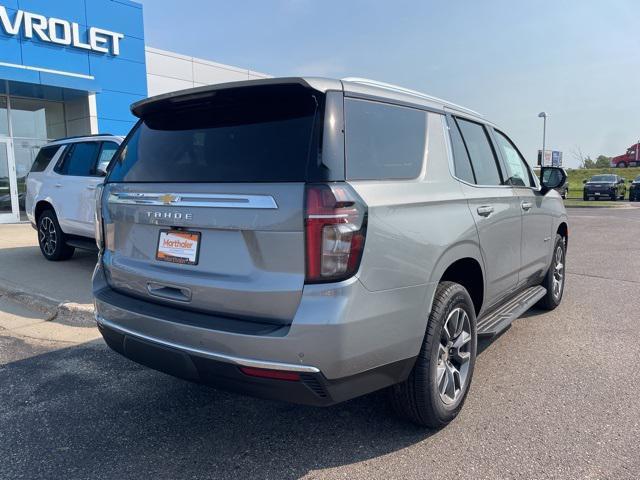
<point x="608" y="185"/>
<point x="634" y="190"/>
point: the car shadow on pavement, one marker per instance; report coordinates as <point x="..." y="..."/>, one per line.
<point x="85" y="412"/>
<point x="70" y="280"/>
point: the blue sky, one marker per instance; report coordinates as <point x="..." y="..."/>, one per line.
<point x="577" y="60"/>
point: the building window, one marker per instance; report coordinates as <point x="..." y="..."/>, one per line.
<point x="37" y="119"/>
<point x="4" y="119"/>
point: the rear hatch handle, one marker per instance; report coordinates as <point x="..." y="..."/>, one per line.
<point x="169" y="292"/>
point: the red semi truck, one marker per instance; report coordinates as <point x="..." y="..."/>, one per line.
<point x="629" y="159"/>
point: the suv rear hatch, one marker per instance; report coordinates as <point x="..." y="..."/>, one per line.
<point x="203" y="208"/>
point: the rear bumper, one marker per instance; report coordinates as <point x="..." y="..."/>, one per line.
<point x="344" y="341"/>
<point x="312" y="388"/>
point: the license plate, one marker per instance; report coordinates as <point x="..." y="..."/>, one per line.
<point x="178" y="246"/>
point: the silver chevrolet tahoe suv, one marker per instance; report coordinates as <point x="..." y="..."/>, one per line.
<point x="313" y="240"/>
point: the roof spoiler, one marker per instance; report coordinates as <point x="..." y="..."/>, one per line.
<point x="152" y="104"/>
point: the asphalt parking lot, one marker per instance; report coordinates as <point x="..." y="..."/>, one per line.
<point x="556" y="396"/>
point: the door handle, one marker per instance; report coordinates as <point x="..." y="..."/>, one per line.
<point x="91" y="187"/>
<point x="58" y="185"/>
<point x="485" y="210"/>
<point x="526" y="206"/>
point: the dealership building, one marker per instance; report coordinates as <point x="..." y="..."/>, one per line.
<point x="73" y="67"/>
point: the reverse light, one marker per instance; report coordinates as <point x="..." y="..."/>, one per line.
<point x="335" y="229"/>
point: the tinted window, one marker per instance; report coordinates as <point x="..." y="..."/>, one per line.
<point x="43" y="158"/>
<point x="481" y="153"/>
<point x="603" y="178"/>
<point x="383" y="141"/>
<point x="106" y="154"/>
<point x="517" y="171"/>
<point x="461" y="161"/>
<point x="258" y="134"/>
<point x="80" y="159"/>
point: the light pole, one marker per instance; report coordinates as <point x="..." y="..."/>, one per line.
<point x="543" y="115"/>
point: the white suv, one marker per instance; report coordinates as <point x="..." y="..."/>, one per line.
<point x="61" y="188"/>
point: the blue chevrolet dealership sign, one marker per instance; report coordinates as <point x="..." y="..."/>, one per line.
<point x="95" y="46"/>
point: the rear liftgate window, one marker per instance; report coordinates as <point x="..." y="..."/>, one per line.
<point x="251" y="134"/>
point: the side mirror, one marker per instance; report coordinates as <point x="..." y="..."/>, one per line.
<point x="552" y="177"/>
<point x="584" y="181"/>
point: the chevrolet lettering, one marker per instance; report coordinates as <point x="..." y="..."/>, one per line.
<point x="61" y="32"/>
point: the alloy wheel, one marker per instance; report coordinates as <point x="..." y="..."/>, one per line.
<point x="558" y="272"/>
<point x="454" y="354"/>
<point x="48" y="236"/>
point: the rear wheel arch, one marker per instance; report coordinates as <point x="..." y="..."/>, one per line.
<point x="40" y="207"/>
<point x="467" y="272"/>
<point x="563" y="231"/>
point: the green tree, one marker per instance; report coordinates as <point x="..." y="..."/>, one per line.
<point x="603" y="161"/>
<point x="588" y="162"/>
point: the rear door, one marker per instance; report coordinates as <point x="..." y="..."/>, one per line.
<point x="535" y="208"/>
<point x="74" y="179"/>
<point x="493" y="205"/>
<point x="88" y="193"/>
<point x="203" y="207"/>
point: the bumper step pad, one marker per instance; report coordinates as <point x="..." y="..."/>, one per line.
<point x="500" y="318"/>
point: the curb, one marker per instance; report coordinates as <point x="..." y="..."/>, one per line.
<point x="67" y="313"/>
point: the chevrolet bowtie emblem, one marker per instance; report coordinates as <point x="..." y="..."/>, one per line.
<point x="168" y="199"/>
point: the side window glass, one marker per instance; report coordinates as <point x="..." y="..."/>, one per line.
<point x="106" y="154"/>
<point x="461" y="162"/>
<point x="80" y="160"/>
<point x="383" y="142"/>
<point x="517" y="171"/>
<point x="43" y="158"/>
<point x="480" y="151"/>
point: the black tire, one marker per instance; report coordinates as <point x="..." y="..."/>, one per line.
<point x="418" y="398"/>
<point x="51" y="238"/>
<point x="614" y="197"/>
<point x="585" y="197"/>
<point x="551" y="300"/>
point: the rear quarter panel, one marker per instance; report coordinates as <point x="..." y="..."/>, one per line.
<point x="416" y="229"/>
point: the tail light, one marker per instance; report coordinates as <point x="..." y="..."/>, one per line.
<point x="335" y="228"/>
<point x="98" y="218"/>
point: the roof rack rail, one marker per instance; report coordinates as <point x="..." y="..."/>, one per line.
<point x="84" y="136"/>
<point x="399" y="89"/>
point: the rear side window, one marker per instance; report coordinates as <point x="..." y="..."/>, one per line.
<point x="43" y="158"/>
<point x="480" y="151"/>
<point x="106" y="154"/>
<point x="79" y="160"/>
<point x="383" y="141"/>
<point x="518" y="172"/>
<point x="257" y="134"/>
<point x="461" y="161"/>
